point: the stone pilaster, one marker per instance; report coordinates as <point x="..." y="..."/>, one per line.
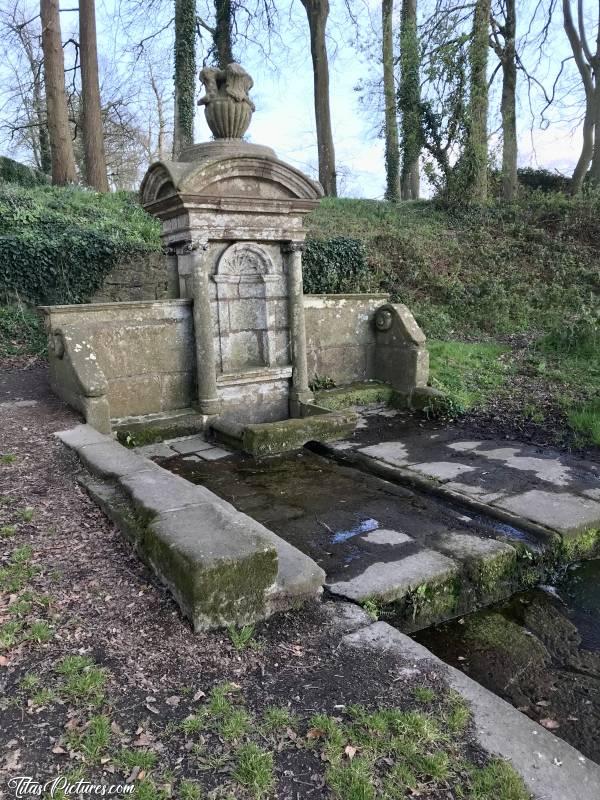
<point x="300" y="392"/>
<point x="195" y="272"/>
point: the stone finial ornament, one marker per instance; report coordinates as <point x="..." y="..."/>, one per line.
<point x="228" y="108"/>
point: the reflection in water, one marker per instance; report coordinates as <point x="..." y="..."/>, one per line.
<point x="366" y="526"/>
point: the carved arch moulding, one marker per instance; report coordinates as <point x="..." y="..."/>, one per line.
<point x="245" y="262"/>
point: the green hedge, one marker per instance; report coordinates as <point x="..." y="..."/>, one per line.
<point x="57" y="245"/>
<point x="15" y="172"/>
<point x="337" y="265"/>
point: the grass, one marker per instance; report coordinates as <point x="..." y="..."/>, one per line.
<point x="277" y="718"/>
<point x="585" y="421"/>
<point x="468" y="374"/>
<point x="144" y="759"/>
<point x="21" y="332"/>
<point x="7" y="458"/>
<point x="255" y="769"/>
<point x="241" y="638"/>
<point x="94" y="741"/>
<point x="84" y="681"/>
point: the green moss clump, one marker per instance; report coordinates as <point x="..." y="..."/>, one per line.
<point x="357" y="394"/>
<point x="580" y="547"/>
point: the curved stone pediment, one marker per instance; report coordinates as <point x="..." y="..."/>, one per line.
<point x="234" y="176"/>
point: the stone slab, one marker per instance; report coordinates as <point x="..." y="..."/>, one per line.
<point x="442" y="470"/>
<point x="157" y="491"/>
<point x="389" y="581"/>
<point x="112" y="460"/>
<point x="192" y="445"/>
<point x="213" y="454"/>
<point x="82" y="435"/>
<point x="394" y="453"/>
<point x="464" y="547"/>
<point x="564" y="512"/>
<point x="159" y="450"/>
<point x="551" y="768"/>
<point x="217" y="563"/>
<point x="475" y="491"/>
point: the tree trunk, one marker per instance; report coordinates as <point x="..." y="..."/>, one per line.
<point x="587" y="151"/>
<point x="410" y="101"/>
<point x="317" y="12"/>
<point x="476" y="161"/>
<point x="392" y="152"/>
<point x="185" y="74"/>
<point x="508" y="105"/>
<point x="94" y="157"/>
<point x="61" y="143"/>
<point x="160" y="112"/>
<point x="595" y="165"/>
<point x="223" y="34"/>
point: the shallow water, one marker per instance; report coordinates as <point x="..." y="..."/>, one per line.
<point x="540" y="651"/>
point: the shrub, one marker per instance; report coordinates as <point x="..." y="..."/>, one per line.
<point x="57" y="245"/>
<point x="14" y="172"/>
<point x="336" y="265"/>
<point x="543" y="180"/>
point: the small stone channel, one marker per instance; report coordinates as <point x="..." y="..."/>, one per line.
<point x="540" y="650"/>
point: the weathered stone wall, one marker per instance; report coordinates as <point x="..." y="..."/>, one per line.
<point x="145" y="276"/>
<point x="340" y="335"/>
<point x="145" y="351"/>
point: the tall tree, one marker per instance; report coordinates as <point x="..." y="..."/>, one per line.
<point x="93" y="134"/>
<point x="185" y="74"/>
<point x="410" y="101"/>
<point x="588" y="65"/>
<point x="317" y="12"/>
<point x="475" y="158"/>
<point x="223" y="33"/>
<point x="503" y="41"/>
<point x="61" y="143"/>
<point x="392" y="151"/>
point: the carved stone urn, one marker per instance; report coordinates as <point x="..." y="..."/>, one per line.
<point x="228" y="108"/>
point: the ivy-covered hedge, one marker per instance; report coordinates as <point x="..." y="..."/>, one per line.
<point x="57" y="245"/>
<point x="337" y="265"/>
<point x="15" y="172"/>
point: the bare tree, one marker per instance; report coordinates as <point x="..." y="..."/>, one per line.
<point x="317" y="12"/>
<point x="93" y="136"/>
<point x="588" y="65"/>
<point x="503" y="42"/>
<point x="24" y="105"/>
<point x="61" y="145"/>
<point x="392" y="152"/>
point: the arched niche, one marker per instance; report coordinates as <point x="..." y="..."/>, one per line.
<point x="247" y="312"/>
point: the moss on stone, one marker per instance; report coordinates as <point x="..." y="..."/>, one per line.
<point x="494" y="577"/>
<point x="580" y="546"/>
<point x="430" y="602"/>
<point x="269" y="438"/>
<point x="493" y="631"/>
<point x="356" y="394"/>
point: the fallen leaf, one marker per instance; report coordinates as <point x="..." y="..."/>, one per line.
<point x="58" y="750"/>
<point x="315" y="733"/>
<point x="199" y="695"/>
<point x="173" y="701"/>
<point x="143" y="740"/>
<point x="549" y="724"/>
<point x="543" y="703"/>
<point x="350" y="751"/>
<point x="3" y="661"/>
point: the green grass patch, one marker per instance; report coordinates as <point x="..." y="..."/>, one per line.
<point x="83" y="681"/>
<point x="585" y="421"/>
<point x="254" y="769"/>
<point x="467" y="373"/>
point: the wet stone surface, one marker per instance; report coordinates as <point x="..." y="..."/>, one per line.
<point x="540" y="651"/>
<point x="372" y="538"/>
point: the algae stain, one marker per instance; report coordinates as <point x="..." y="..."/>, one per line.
<point x="366" y="526"/>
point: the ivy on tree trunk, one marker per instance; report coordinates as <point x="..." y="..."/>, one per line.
<point x="185" y="74"/>
<point x="409" y="99"/>
<point x="475" y="163"/>
<point x="392" y="152"/>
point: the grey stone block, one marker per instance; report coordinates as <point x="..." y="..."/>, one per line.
<point x="563" y="512"/>
<point x="157" y="491"/>
<point x="191" y="445"/>
<point x="82" y="435"/>
<point x="112" y="460"/>
<point x="392" y="580"/>
<point x="218" y="564"/>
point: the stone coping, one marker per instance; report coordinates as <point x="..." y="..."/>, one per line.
<point x="222" y="567"/>
<point x="76" y="308"/>
<point x="348" y="296"/>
